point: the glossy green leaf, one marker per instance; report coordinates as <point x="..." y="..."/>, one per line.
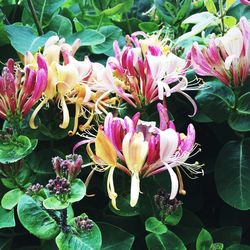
<point x="153" y="225"/>
<point x="238" y="247"/>
<point x="204" y="240"/>
<point x="183" y="12"/>
<point x="229" y="3"/>
<point x="232" y="173"/>
<point x="166" y="241"/>
<point x="228" y="235"/>
<point x="35" y="219"/>
<point x="229" y="21"/>
<point x="239" y="118"/>
<point x="216" y="100"/>
<point x="7" y="218"/>
<point x="172" y="219"/>
<point x="44" y="9"/>
<point x="87" y="240"/>
<point x="88" y="37"/>
<point x="111" y="34"/>
<point x="27" y="38"/>
<point x="16" y="149"/>
<point x="114" y="238"/>
<point x="112" y="7"/>
<point x="170" y="8"/>
<point x="77" y="191"/>
<point x="61" y="25"/>
<point x="210" y="6"/>
<point x="148" y="26"/>
<point x="11" y="198"/>
<point x="54" y="203"/>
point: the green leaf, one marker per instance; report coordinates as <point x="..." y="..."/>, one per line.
<point x="87" y="240"/>
<point x="238" y="247"/>
<point x="170" y="8"/>
<point x="16" y="149"/>
<point x="204" y="240"/>
<point x="112" y="7"/>
<point x="41" y="161"/>
<point x="88" y="37"/>
<point x="166" y="241"/>
<point x="61" y="25"/>
<point x="174" y="218"/>
<point x="54" y="203"/>
<point x="232" y="173"/>
<point x="228" y="235"/>
<point x="7" y="218"/>
<point x="239" y="119"/>
<point x="211" y="8"/>
<point x="123" y="204"/>
<point x="217" y="246"/>
<point x="44" y="10"/>
<point x="27" y="39"/>
<point x="229" y="3"/>
<point x="111" y="34"/>
<point x="184" y="10"/>
<point x="77" y="191"/>
<point x="114" y="238"/>
<point x="35" y="219"/>
<point x="155" y="226"/>
<point x="11" y="198"/>
<point x="216" y="100"/>
<point x="229" y="21"/>
<point x="148" y="26"/>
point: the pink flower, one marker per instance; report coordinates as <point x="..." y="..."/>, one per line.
<point x="17" y="97"/>
<point x="245" y="2"/>
<point x="226" y="58"/>
<point x="143" y="150"/>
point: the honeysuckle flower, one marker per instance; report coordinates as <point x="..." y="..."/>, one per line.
<point x="246" y="2"/>
<point x="226" y="58"/>
<point x="70" y="82"/>
<point x="140" y="149"/>
<point x="18" y="92"/>
<point x="145" y="71"/>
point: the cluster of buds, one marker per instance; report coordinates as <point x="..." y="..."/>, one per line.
<point x="226" y="57"/>
<point x="163" y="202"/>
<point x="18" y="93"/>
<point x="84" y="224"/>
<point x="68" y="168"/>
<point x="34" y="189"/>
<point x="58" y="186"/>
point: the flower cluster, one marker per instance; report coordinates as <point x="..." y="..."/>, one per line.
<point x="21" y="89"/>
<point x="140" y="149"/>
<point x="226" y="57"/>
<point x="34" y="189"/>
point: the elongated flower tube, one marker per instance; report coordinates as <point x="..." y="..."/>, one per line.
<point x="140" y="149"/>
<point x="226" y="58"/>
<point x="246" y="2"/>
<point x="145" y="71"/>
<point x="18" y="92"/>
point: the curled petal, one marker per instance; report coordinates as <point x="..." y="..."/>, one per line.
<point x="135" y="189"/>
<point x="111" y="188"/>
<point x="65" y="111"/>
<point x="174" y="182"/>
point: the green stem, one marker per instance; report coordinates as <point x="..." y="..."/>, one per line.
<point x="222" y="14"/>
<point x="33" y="12"/>
<point x="128" y="24"/>
<point x="42" y="12"/>
<point x="100" y="22"/>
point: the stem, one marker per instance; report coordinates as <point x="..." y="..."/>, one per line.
<point x="100" y="22"/>
<point x="128" y="24"/>
<point x="222" y="16"/>
<point x="42" y="12"/>
<point x="33" y="12"/>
